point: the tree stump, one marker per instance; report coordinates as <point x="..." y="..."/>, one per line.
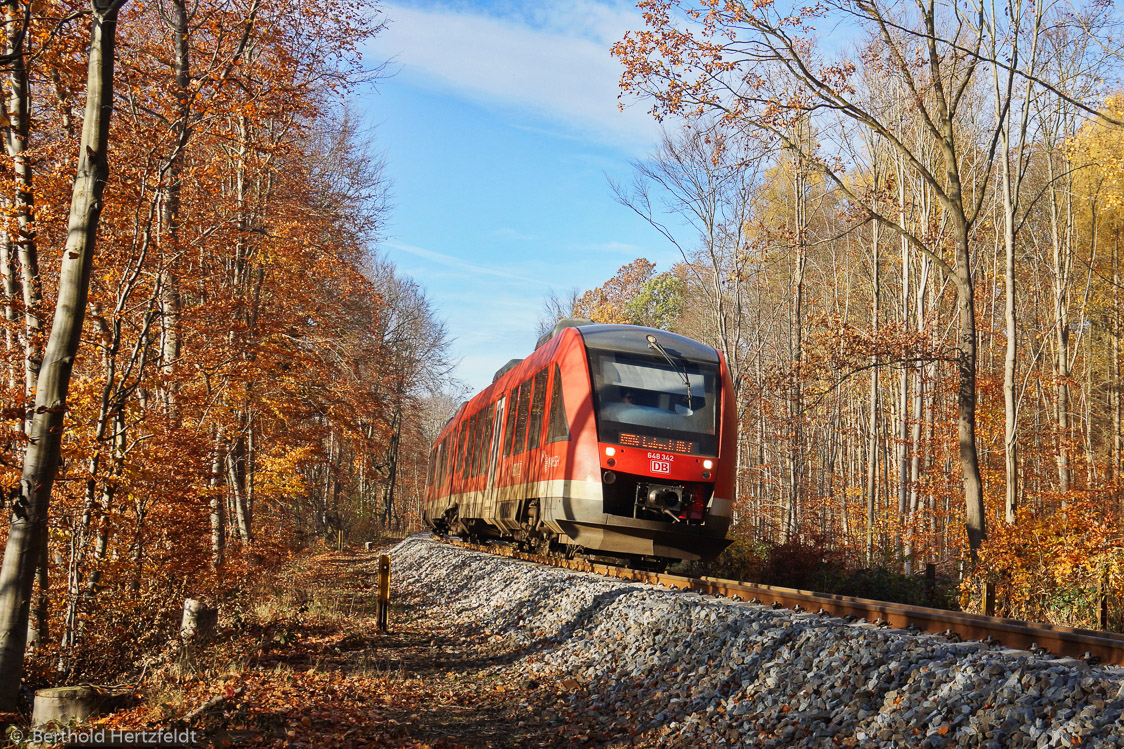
<point x="199" y="620"/>
<point x="63" y="705"/>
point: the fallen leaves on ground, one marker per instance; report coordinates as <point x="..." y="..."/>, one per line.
<point x="302" y="664"/>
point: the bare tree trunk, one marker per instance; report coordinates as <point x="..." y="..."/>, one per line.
<point x="108" y="493"/>
<point x="796" y="403"/>
<point x="37" y="626"/>
<point x="236" y="480"/>
<point x="1011" y="176"/>
<point x="170" y="204"/>
<point x="1010" y="361"/>
<point x="250" y="468"/>
<point x="41" y="459"/>
<point x="966" y="400"/>
<point x="918" y="419"/>
<point x="1061" y="268"/>
<point x="218" y="505"/>
<point x="1114" y="385"/>
<point x="17" y="136"/>
<point x="872" y="435"/>
<point x="8" y="268"/>
<point x="392" y="466"/>
<point x="904" y="516"/>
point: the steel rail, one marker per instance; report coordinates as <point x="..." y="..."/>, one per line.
<point x="1086" y="644"/>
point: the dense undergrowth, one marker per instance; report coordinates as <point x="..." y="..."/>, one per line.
<point x="1056" y="572"/>
<point x="138" y="635"/>
<point x="813" y="566"/>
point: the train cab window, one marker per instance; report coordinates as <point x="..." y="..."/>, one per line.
<point x="521" y="421"/>
<point x="650" y="403"/>
<point x="557" y="430"/>
<point x="538" y="406"/>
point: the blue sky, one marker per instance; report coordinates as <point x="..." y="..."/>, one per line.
<point x="499" y="127"/>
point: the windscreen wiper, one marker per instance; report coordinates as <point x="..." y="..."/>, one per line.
<point x="653" y="343"/>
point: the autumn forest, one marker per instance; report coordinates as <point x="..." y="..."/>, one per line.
<point x="248" y="372"/>
<point x="901" y="225"/>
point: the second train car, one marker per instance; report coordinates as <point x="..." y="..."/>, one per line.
<point x="608" y="441"/>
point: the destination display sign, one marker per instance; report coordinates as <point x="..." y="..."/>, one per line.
<point x="656" y="443"/>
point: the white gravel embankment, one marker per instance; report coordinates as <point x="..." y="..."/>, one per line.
<point x="683" y="669"/>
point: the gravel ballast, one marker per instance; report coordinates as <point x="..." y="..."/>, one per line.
<point x="661" y="667"/>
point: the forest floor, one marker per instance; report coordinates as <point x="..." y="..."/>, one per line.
<point x="303" y="664"/>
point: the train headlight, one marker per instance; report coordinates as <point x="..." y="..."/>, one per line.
<point x="706" y="474"/>
<point x="708" y="464"/>
<point x="610" y="451"/>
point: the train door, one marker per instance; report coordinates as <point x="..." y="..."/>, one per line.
<point x="491" y="472"/>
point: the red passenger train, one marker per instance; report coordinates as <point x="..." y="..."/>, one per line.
<point x="609" y="440"/>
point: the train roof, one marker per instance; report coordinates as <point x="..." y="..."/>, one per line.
<point x="634" y="339"/>
<point x="628" y="338"/>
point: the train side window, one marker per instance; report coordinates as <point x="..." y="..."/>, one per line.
<point x="487" y="423"/>
<point x="538" y="406"/>
<point x="435" y="469"/>
<point x="557" y="429"/>
<point x="478" y="443"/>
<point x="450" y="441"/>
<point x="466" y="447"/>
<point x="458" y="464"/>
<point x="470" y="465"/>
<point x="521" y="421"/>
<point x="477" y="424"/>
<point x="450" y="454"/>
<point x="509" y="428"/>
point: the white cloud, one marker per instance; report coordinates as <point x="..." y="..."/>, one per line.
<point x="552" y="59"/>
<point x="619" y="248"/>
<point x="452" y="262"/>
<point x="514" y="235"/>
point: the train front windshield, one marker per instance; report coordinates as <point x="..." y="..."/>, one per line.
<point x="642" y="401"/>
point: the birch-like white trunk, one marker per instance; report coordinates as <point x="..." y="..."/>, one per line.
<point x="41" y="460"/>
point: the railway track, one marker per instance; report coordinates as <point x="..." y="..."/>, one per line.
<point x="1044" y="639"/>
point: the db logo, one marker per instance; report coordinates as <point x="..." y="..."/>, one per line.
<point x="661" y="466"/>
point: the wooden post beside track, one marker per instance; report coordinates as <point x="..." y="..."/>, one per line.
<point x="1102" y="599"/>
<point x="989" y="599"/>
<point x="384" y="592"/>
